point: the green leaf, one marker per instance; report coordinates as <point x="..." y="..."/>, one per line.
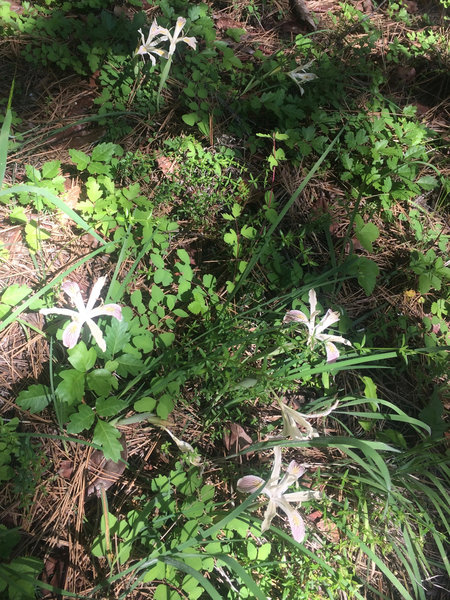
<point x="191" y="118"/>
<point x="80" y="159"/>
<point x="81" y="358"/>
<point x="116" y="336"/>
<point x="145" y="404"/>
<point x="144" y="342"/>
<point x="104" y="152"/>
<point x="81" y="420"/>
<point x="15" y="293"/>
<point x="51" y="169"/>
<point x="35" y="398"/>
<point x="129" y="364"/>
<point x="101" y="381"/>
<point x="107" y="436"/>
<point x="110" y="407"/>
<point x="71" y="388"/>
<point x="366" y="233"/>
<point x="165" y="340"/>
<point x="427" y="182"/>
<point x="18" y="215"/>
<point x="367" y="271"/>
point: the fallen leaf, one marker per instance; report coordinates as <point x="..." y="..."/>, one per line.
<point x="105" y="473"/>
<point x="65" y="469"/>
<point x="235" y="439"/>
<point x="301" y="11"/>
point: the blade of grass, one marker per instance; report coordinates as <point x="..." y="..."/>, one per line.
<point x="4" y="323"/>
<point x="258" y="253"/>
<point x="48" y="195"/>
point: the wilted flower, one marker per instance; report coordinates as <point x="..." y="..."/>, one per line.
<point x="315" y="331"/>
<point x="275" y="491"/>
<point x="299" y="75"/>
<point x="84" y="314"/>
<point x="186" y="448"/>
<point x="292" y="418"/>
<point x="159" y="34"/>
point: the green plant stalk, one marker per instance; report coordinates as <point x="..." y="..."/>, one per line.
<point x="257" y="255"/>
<point x="163" y="79"/>
<point x="4" y="136"/>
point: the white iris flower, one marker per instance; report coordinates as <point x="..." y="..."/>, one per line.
<point x="275" y="490"/>
<point x="84" y="313"/>
<point x="315" y="331"/>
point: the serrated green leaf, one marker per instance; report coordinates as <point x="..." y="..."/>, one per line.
<point x="81" y="358"/>
<point x="15" y="293"/>
<point x="81" y="420"/>
<point x="35" y="398"/>
<point x="117" y="334"/>
<point x="107" y="436"/>
<point x="129" y="364"/>
<point x="367" y="272"/>
<point x="104" y="152"/>
<point x="101" y="381"/>
<point x="79" y="158"/>
<point x="366" y="233"/>
<point x="166" y="339"/>
<point x="51" y="169"/>
<point x="110" y="407"/>
<point x="71" y="388"/>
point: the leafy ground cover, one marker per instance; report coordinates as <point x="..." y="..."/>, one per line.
<point x="224" y="307"/>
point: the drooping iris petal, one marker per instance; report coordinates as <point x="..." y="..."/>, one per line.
<point x="296" y="522"/>
<point x="249" y="484"/>
<point x="96" y="334"/>
<point x="71" y="333"/>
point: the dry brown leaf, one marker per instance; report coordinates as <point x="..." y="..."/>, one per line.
<point x="302" y="12"/>
<point x="104" y="472"/>
<point x="235" y="438"/>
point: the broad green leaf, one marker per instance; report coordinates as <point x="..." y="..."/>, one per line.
<point x="35" y="398"/>
<point x="13" y="294"/>
<point x="51" y="169"/>
<point x="71" y="388"/>
<point x="427" y="182"/>
<point x="104" y="152"/>
<point x="366" y="233"/>
<point x="18" y="215"/>
<point x="145" y="404"/>
<point x="81" y="420"/>
<point x="101" y="381"/>
<point x="110" y="407"/>
<point x="129" y="364"/>
<point x="191" y="118"/>
<point x="116" y="336"/>
<point x="367" y="274"/>
<point x="165" y="406"/>
<point x="81" y="358"/>
<point x="80" y="159"/>
<point x="144" y="342"/>
<point x="107" y="436"/>
<point x="183" y="256"/>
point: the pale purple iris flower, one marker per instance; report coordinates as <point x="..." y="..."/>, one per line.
<point x="315" y="331"/>
<point x="275" y="490"/>
<point x="84" y="313"/>
<point x="159" y="34"/>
